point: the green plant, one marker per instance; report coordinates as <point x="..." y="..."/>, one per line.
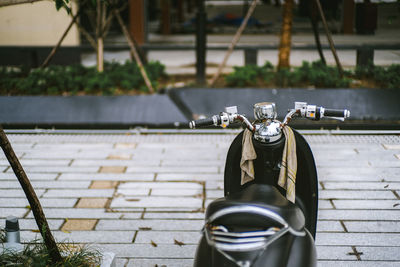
<point x="55" y="80"/>
<point x="319" y="75"/>
<point x="36" y="254"/>
<point x="387" y="77"/>
<point x="244" y="76"/>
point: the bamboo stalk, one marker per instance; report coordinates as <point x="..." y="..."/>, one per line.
<point x="54" y="50"/>
<point x="33" y="200"/>
<point x="329" y="36"/>
<point x="88" y="37"/>
<point x="235" y="40"/>
<point x="134" y="51"/>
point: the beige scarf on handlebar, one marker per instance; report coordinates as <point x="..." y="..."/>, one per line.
<point x="287" y="175"/>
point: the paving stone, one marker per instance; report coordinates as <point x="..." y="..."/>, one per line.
<point x="167" y="237"/>
<point x="188" y="177"/>
<point x="215" y="185"/>
<point x="69" y="146"/>
<point x="132" y="192"/>
<point x="161" y="185"/>
<point x="184" y="143"/>
<point x="120" y="156"/>
<point x="54" y="213"/>
<point x="108" y="176"/>
<point x="379" y="253"/>
<point x="30" y="224"/>
<point x="357" y="263"/>
<point x="329" y="226"/>
<point x="171" y="169"/>
<point x="322" y="171"/>
<point x="174" y="215"/>
<point x="358" y="239"/>
<point x="214" y="194"/>
<point x="362" y="185"/>
<point x="359" y="215"/>
<point x="385" y="163"/>
<point x="391" y="146"/>
<point x="174" y="209"/>
<point x="48" y="184"/>
<point x="349" y="178"/>
<point x="155" y="225"/>
<point x="79" y="225"/>
<point x="324" y="204"/>
<point x="112" y="169"/>
<point x="92" y="203"/>
<point x="343" y="163"/>
<point x="79" y="193"/>
<point x="61" y="169"/>
<point x="31" y="176"/>
<point x="17" y="212"/>
<point x="125" y="145"/>
<point x="131" y="214"/>
<point x="353" y="194"/>
<point x="19" y="193"/>
<point x="148" y="251"/>
<point x="160" y="262"/>
<point x="373" y="227"/>
<point x="74" y="154"/>
<point x="42" y="162"/>
<point x="45" y="202"/>
<point x="103" y="185"/>
<point x="121" y="262"/>
<point x="114" y="162"/>
<point x="367" y="204"/>
<point x="335" y="253"/>
<point x="88" y="237"/>
<point x="177" y="192"/>
<point x="154" y="201"/>
<point x="193" y="163"/>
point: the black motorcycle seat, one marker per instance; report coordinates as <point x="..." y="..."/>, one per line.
<point x="258" y="195"/>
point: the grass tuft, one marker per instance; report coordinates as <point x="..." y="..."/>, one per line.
<point x="36" y="254"/>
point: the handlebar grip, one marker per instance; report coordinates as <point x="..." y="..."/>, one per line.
<point x="203" y="122"/>
<point x="339" y="113"/>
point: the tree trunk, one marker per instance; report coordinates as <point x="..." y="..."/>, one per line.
<point x="100" y="17"/>
<point x="286" y="35"/>
<point x="33" y="200"/>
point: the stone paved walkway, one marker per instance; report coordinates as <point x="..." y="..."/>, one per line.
<point x="143" y="196"/>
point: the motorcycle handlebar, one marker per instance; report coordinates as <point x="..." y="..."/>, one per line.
<point x="338" y="113"/>
<point x="214" y="120"/>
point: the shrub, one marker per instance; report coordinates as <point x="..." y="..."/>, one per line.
<point x="243" y="76"/>
<point x="36" y="254"/>
<point x="387" y="77"/>
<point x="72" y="79"/>
<point x="316" y="74"/>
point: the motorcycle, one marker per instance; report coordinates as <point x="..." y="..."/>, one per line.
<point x="254" y="224"/>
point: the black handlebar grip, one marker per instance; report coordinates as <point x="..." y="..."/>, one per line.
<point x="201" y="123"/>
<point x="339" y="113"/>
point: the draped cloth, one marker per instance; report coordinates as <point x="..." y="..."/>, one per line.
<point x="248" y="155"/>
<point x="287" y="174"/>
